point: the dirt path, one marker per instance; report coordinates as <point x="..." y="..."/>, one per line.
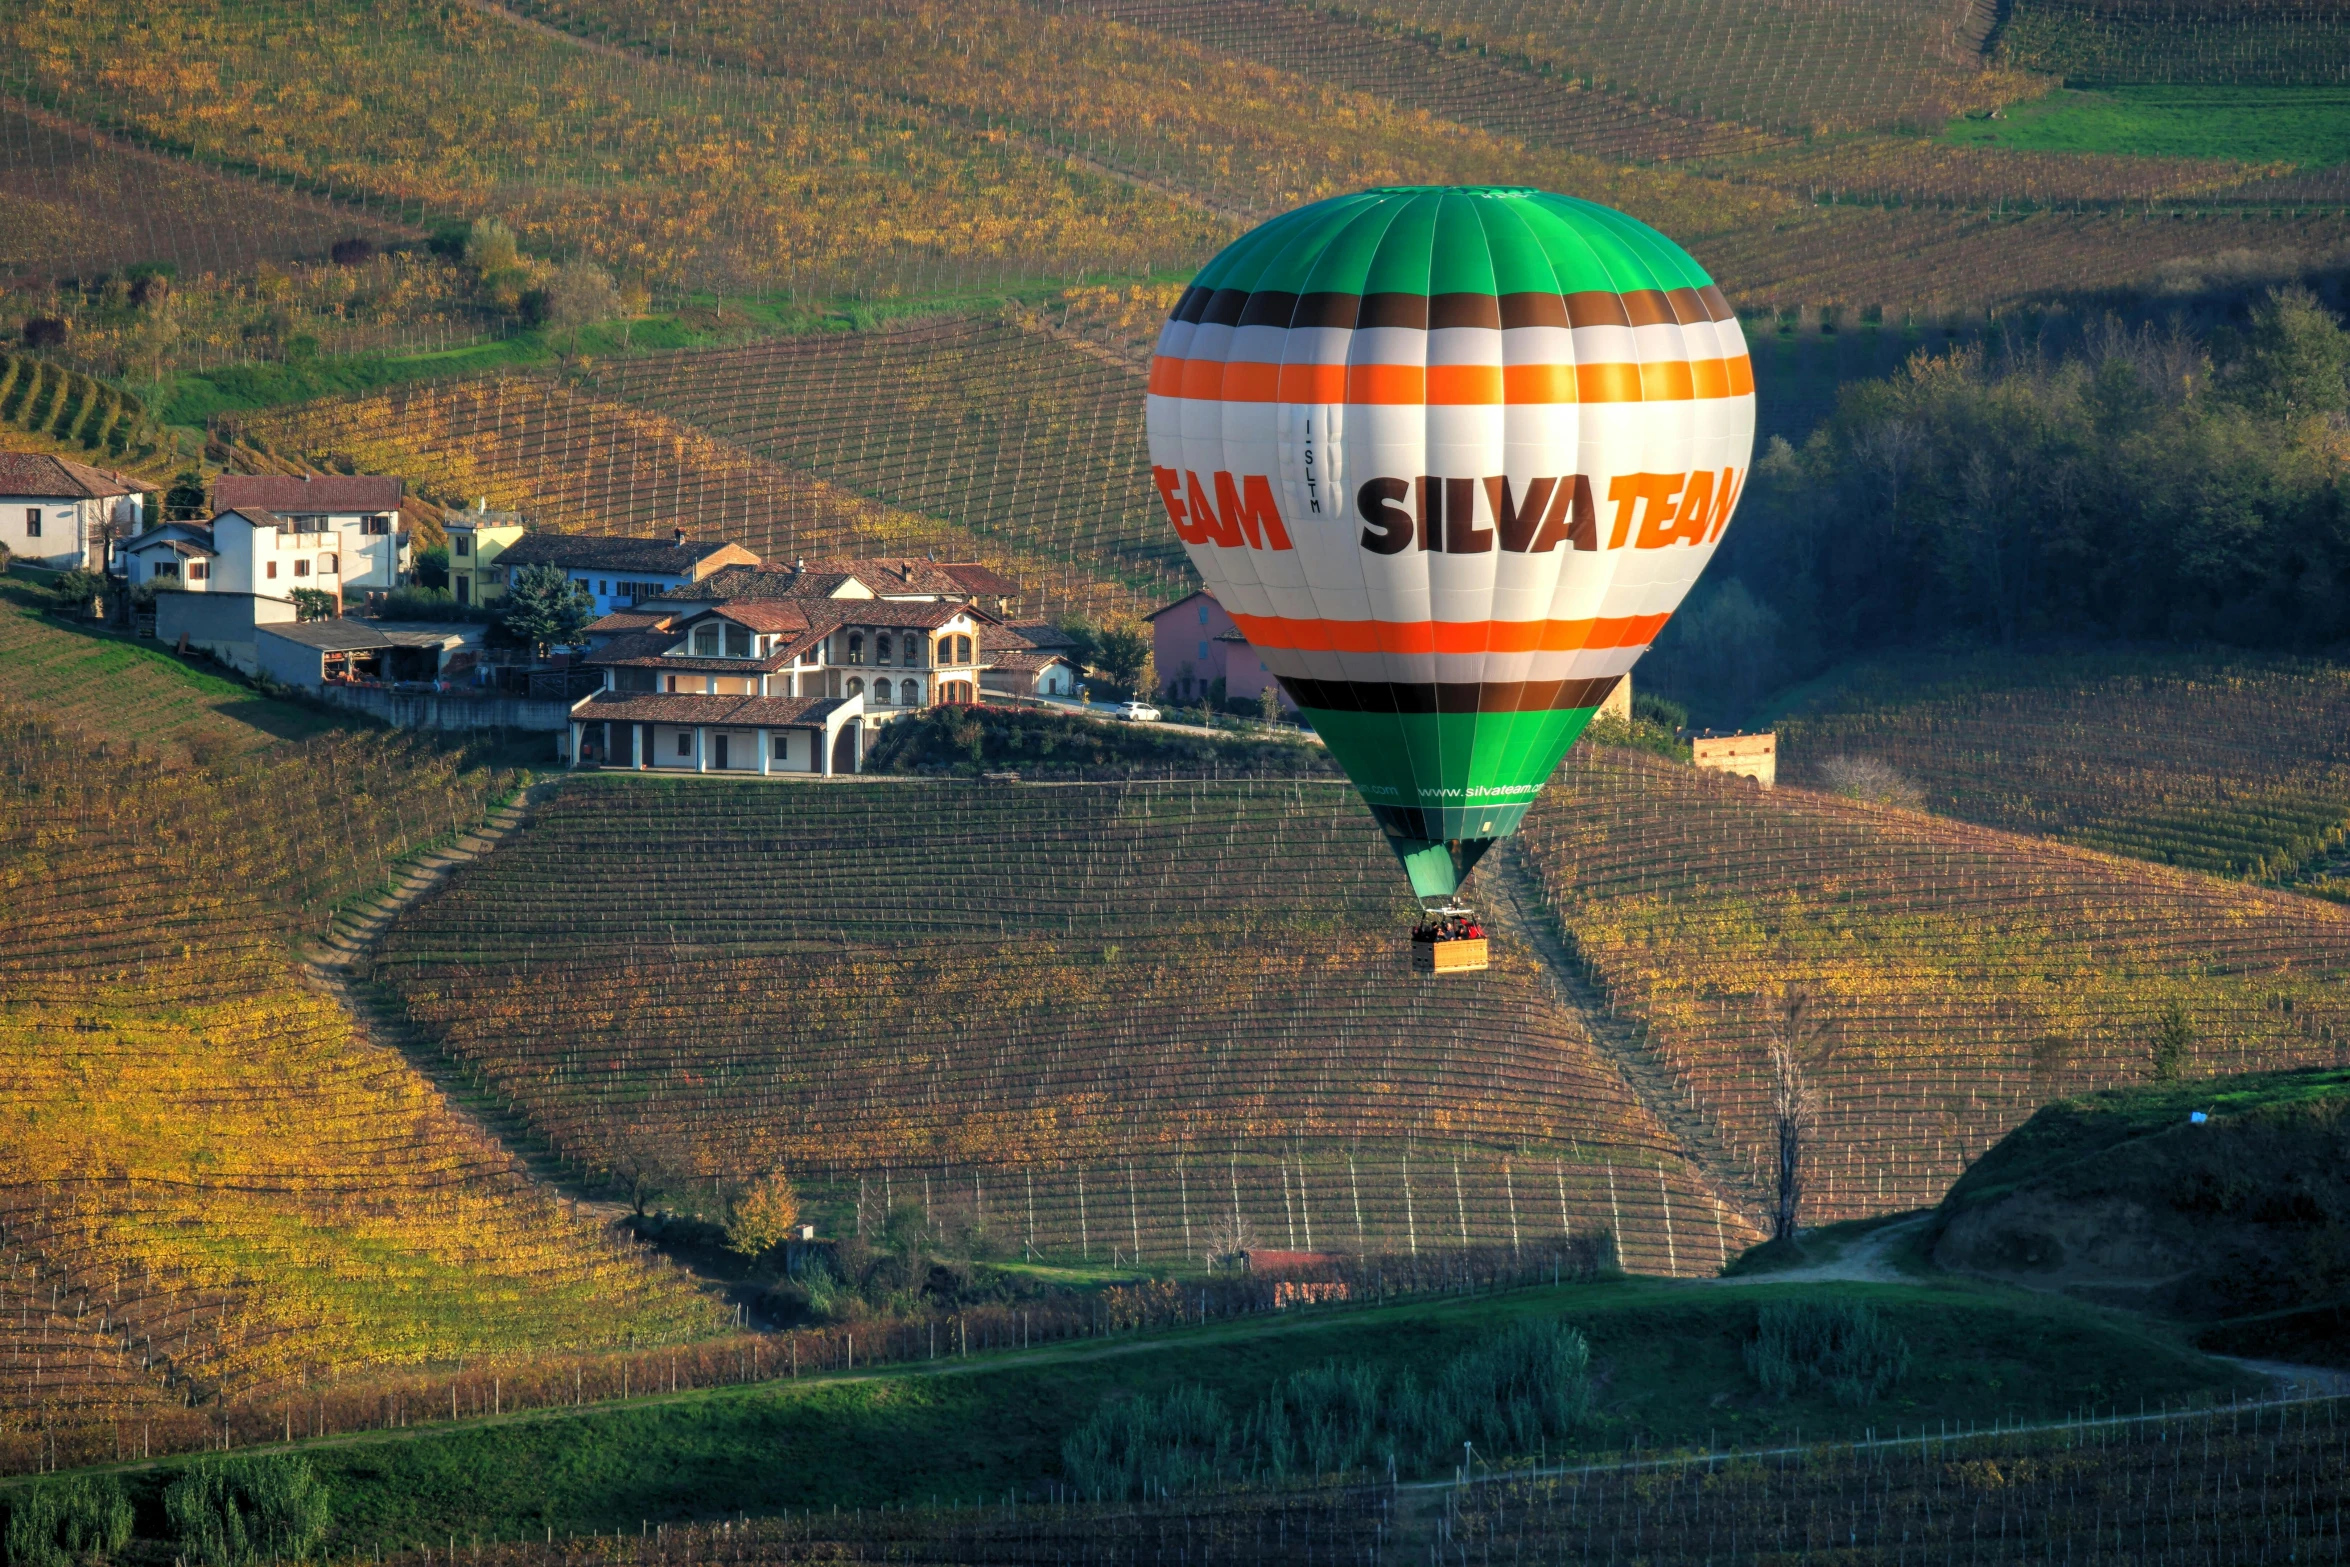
<point x="1511" y="893"/>
<point x="1865" y="1260"/>
<point x="340" y="965"/>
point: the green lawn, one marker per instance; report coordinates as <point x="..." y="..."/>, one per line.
<point x="1668" y="1358"/>
<point x="2309" y="126"/>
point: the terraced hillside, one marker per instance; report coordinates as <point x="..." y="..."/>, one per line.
<point x="215" y="1190"/>
<point x="2232" y="763"/>
<point x="1959" y="975"/>
<point x="580" y="463"/>
<point x="1027" y="439"/>
<point x="1144" y="1018"/>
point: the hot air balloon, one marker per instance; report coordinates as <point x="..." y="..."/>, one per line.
<point x="1450" y="456"/>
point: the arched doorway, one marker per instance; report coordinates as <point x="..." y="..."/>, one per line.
<point x="955" y="691"/>
<point x="844" y="749"/>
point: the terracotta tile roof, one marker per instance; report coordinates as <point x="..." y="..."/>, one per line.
<point x="1169" y="609"/>
<point x="743" y="712"/>
<point x="976" y="578"/>
<point x="303" y="493"/>
<point x="650" y="649"/>
<point x="39" y="475"/>
<point x="1025" y="660"/>
<point x="1041" y="633"/>
<point x="621" y="620"/>
<point x="603" y="552"/>
<point x="764" y="615"/>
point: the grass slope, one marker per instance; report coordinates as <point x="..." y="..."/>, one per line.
<point x="2303" y="126"/>
<point x="1669" y="1363"/>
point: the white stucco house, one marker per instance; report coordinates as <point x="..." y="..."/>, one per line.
<point x="58" y="513"/>
<point x="350" y="524"/>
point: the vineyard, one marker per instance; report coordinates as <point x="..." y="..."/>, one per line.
<point x="216" y="1189"/>
<point x="1958" y="976"/>
<point x="1092" y="1021"/>
<point x="2232" y="764"/>
<point x="2200" y="41"/>
<point x="683" y="176"/>
<point x="1028" y="440"/>
<point x="77" y="201"/>
<point x="584" y="464"/>
<point x="2262" y="1483"/>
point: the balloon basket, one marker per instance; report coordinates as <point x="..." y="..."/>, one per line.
<point x="1449" y="957"/>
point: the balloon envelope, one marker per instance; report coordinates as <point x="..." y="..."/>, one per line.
<point x="1450" y="456"/>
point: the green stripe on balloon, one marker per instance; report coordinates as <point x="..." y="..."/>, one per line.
<point x="1419" y="773"/>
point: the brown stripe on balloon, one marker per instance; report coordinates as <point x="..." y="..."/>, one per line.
<point x="1448" y="696"/>
<point x="1648" y="307"/>
<point x="1339" y="310"/>
<point x="1404" y="310"/>
<point x="1596" y="307"/>
<point x="1533" y="310"/>
<point x="1269" y="307"/>
<point x="1224" y="307"/>
<point x="1469" y="310"/>
<point x="1717" y="303"/>
<point x="1687" y="307"/>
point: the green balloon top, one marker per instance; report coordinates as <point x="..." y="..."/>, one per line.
<point x="1449" y="239"/>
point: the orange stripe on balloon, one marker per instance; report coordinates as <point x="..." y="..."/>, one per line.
<point x="1254" y="381"/>
<point x="1448" y="636"/>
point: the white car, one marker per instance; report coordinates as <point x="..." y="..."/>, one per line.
<point x="1136" y="712"/>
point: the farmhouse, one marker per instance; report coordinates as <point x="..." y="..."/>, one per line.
<point x="618" y="573"/>
<point x="325" y="526"/>
<point x="60" y="514"/>
<point x="704" y="734"/>
<point x="177" y="553"/>
<point x="1195" y="645"/>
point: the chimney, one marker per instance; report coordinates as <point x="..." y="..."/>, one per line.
<point x="799" y="565"/>
<point x="679" y="541"/>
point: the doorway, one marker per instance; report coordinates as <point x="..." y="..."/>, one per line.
<point x="721" y="761"/>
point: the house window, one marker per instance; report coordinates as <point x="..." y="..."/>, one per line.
<point x="856" y="686"/>
<point x="603" y="587"/>
<point x="165" y="568"/>
<point x="783" y="748"/>
<point x="706" y="640"/>
<point x="271" y="571"/>
<point x="32" y="522"/>
<point x="685" y="743"/>
<point x="460" y="543"/>
<point x="914" y="652"/>
<point x="881" y="693"/>
<point x="738" y="642"/>
<point x="910" y="693"/>
<point x="1203" y="652"/>
<point x="962" y="650"/>
<point x="1203" y="614"/>
<point x="379" y="526"/>
<point x="881" y="649"/>
<point x="301" y="568"/>
<point x="199" y="570"/>
<point x="856" y="647"/>
<point x="329" y="565"/>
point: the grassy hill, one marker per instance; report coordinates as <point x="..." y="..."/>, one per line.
<point x="1961" y="976"/>
<point x="2121" y="1196"/>
<point x="2221" y="761"/>
<point x="218" y="1190"/>
<point x="1069" y="1020"/>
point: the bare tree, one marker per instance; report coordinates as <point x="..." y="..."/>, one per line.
<point x="1797" y="1051"/>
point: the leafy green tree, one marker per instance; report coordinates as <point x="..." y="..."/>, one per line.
<point x="542" y="607"/>
<point x="75" y="590"/>
<point x="2174" y="1037"/>
<point x="65" y="1523"/>
<point x="1123" y="653"/>
<point x="2296" y="358"/>
<point x="312" y="603"/>
<point x="184" y="501"/>
<point x="228" y="1512"/>
<point x="432" y="567"/>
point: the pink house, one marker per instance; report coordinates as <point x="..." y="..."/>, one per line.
<point x="1194" y="644"/>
